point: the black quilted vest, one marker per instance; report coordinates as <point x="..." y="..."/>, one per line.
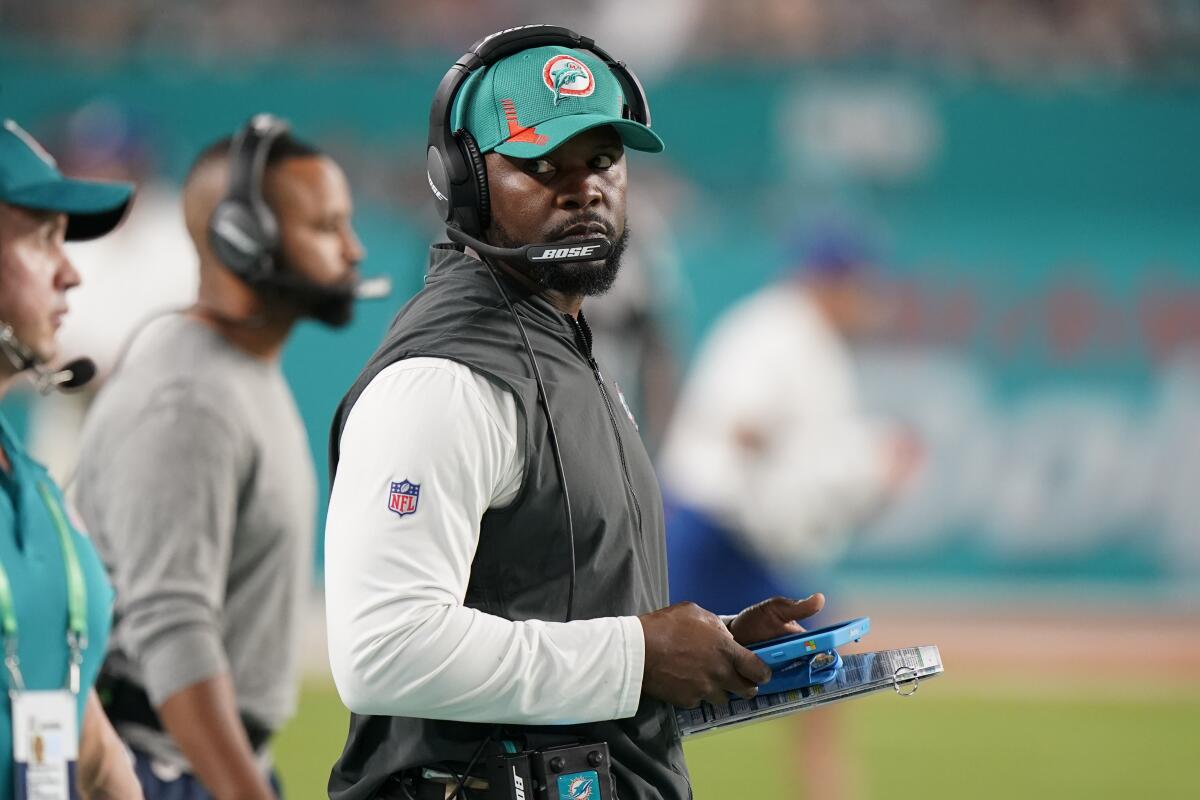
<point x="521" y="568"/>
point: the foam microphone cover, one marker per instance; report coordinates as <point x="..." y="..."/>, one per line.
<point x="81" y="371"/>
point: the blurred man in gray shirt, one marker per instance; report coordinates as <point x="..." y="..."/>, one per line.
<point x="196" y="479"/>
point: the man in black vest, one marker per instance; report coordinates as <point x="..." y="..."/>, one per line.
<point x="466" y="605"/>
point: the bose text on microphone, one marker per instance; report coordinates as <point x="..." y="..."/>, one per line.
<point x="595" y="249"/>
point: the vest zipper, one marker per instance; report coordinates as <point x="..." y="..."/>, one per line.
<point x="584" y="334"/>
<point x="612" y="419"/>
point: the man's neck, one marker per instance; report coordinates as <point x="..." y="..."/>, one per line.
<point x="241" y="315"/>
<point x="260" y="335"/>
<point x="569" y="304"/>
<point x="8" y="376"/>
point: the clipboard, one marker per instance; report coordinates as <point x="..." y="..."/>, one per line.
<point x="901" y="671"/>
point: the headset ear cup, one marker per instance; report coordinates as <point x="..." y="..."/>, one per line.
<point x="439" y="183"/>
<point x="237" y="240"/>
<point x="242" y="230"/>
<point x="483" y="196"/>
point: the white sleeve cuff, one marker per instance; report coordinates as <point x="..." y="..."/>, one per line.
<point x="635" y="667"/>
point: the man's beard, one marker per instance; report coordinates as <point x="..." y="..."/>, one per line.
<point x="331" y="305"/>
<point x="583" y="278"/>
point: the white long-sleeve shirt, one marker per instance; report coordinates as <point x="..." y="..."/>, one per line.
<point x="401" y="642"/>
<point x="774" y="367"/>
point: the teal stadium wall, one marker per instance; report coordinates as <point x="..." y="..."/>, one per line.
<point x="1045" y="240"/>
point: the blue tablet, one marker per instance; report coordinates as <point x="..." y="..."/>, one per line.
<point x="786" y="649"/>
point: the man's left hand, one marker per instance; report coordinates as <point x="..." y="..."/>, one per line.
<point x="773" y="618"/>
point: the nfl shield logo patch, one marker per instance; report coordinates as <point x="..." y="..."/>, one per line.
<point x="403" y="497"/>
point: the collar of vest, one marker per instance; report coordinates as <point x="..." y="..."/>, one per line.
<point x="447" y="259"/>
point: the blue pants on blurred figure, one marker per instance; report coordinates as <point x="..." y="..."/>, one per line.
<point x="710" y="565"/>
<point x="159" y="785"/>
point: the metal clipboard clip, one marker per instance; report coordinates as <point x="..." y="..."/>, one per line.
<point x="901" y="684"/>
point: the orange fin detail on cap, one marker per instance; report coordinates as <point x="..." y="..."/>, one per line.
<point x="516" y="133"/>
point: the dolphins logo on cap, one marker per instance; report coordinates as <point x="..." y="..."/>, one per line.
<point x="567" y="75"/>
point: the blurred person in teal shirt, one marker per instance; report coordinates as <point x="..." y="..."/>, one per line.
<point x="55" y="599"/>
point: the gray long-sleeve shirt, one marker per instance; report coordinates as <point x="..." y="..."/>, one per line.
<point x="197" y="485"/>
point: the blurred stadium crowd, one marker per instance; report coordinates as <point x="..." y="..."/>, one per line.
<point x="1015" y="38"/>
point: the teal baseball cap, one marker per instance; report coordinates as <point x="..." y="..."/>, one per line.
<point x="30" y="178"/>
<point x="530" y="102"/>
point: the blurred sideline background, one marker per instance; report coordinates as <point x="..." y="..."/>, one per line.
<point x="1026" y="172"/>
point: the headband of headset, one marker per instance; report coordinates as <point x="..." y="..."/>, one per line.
<point x="459" y="188"/>
<point x="242" y="230"/>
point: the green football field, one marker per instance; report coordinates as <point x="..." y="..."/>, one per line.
<point x="950" y="741"/>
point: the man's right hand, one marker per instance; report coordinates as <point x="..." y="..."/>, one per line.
<point x="691" y="656"/>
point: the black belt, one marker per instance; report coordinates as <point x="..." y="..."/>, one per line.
<point x="125" y="701"/>
<point x="398" y="788"/>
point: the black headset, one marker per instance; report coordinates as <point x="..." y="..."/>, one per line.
<point x="455" y="168"/>
<point x="242" y="230"/>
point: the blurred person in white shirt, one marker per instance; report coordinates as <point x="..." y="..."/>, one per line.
<point x="770" y="464"/>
